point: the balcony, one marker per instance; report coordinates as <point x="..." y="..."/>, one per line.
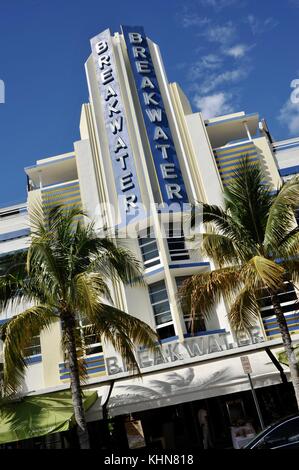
<point x="287" y="157"/>
<point x="52" y="171"/>
<point x="228" y="157"/>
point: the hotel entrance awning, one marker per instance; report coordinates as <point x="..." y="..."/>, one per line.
<point x="191" y="382"/>
<point x="39" y="415"/>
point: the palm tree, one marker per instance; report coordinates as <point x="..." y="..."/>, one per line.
<point x="253" y="241"/>
<point x="63" y="276"/>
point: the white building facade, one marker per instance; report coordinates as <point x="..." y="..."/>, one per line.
<point x="143" y="155"/>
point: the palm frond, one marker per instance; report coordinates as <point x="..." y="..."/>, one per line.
<point x="281" y="218"/>
<point x="17" y="335"/>
<point x="116" y="262"/>
<point x="244" y="311"/>
<point x="262" y="272"/>
<point x="221" y="249"/>
<point x="248" y="200"/>
<point x="123" y="331"/>
<point x="205" y="290"/>
<point x="87" y="290"/>
<point x="289" y="245"/>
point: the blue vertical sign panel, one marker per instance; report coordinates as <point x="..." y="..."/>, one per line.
<point x="166" y="162"/>
<point x="116" y="126"/>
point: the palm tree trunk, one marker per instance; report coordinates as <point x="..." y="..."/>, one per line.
<point x="75" y="386"/>
<point x="287" y="342"/>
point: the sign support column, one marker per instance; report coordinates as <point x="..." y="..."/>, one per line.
<point x="248" y="370"/>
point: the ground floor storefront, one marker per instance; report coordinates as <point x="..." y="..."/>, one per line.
<point x="200" y="403"/>
<point x="209" y="423"/>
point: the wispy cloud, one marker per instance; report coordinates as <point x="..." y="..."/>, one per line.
<point x="192" y="19"/>
<point x="218" y="5"/>
<point x="289" y="116"/>
<point x="211" y="81"/>
<point x="221" y="34"/>
<point x="259" y="26"/>
<point x="238" y="51"/>
<point x="213" y="105"/>
<point x="204" y="65"/>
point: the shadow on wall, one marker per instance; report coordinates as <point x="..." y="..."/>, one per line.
<point x="174" y="384"/>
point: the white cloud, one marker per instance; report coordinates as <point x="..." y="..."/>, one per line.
<point x="289" y="116"/>
<point x="261" y="26"/>
<point x="213" y="80"/>
<point x="192" y="19"/>
<point x="221" y="34"/>
<point x="213" y="105"/>
<point x="204" y="65"/>
<point x="220" y="4"/>
<point x="237" y="51"/>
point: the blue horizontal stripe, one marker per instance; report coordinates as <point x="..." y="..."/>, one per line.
<point x="94" y="358"/>
<point x="204" y="333"/>
<point x="16" y="234"/>
<point x="236" y="161"/>
<point x="189" y="265"/>
<point x="237" y="167"/>
<point x="66" y="204"/>
<point x="236" y="176"/>
<point x="62" y="197"/>
<point x="277" y="332"/>
<point x="155" y="271"/>
<point x="64" y="190"/>
<point x="287" y="317"/>
<point x="275" y="325"/>
<point x="167" y="340"/>
<point x="243" y="151"/>
<point x="89" y="363"/>
<point x="291" y="170"/>
<point x="281" y="148"/>
<point x="33" y="359"/>
<point x="90" y="372"/>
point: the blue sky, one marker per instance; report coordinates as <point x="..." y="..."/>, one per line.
<point x="227" y="55"/>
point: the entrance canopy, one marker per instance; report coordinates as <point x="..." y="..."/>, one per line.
<point x="191" y="382"/>
<point x="39" y="415"/>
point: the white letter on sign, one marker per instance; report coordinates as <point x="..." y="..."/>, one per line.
<point x="107" y="76"/>
<point x="168" y="170"/>
<point x="101" y="47"/>
<point x="135" y="38"/>
<point x="104" y="60"/>
<point x="173" y="190"/>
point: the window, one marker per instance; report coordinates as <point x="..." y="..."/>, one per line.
<point x="286" y="434"/>
<point x="90" y="341"/>
<point x="176" y="242"/>
<point x="199" y="323"/>
<point x="287" y="295"/>
<point x="289" y="305"/>
<point x="35" y="348"/>
<point x="161" y="308"/>
<point x="148" y="247"/>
